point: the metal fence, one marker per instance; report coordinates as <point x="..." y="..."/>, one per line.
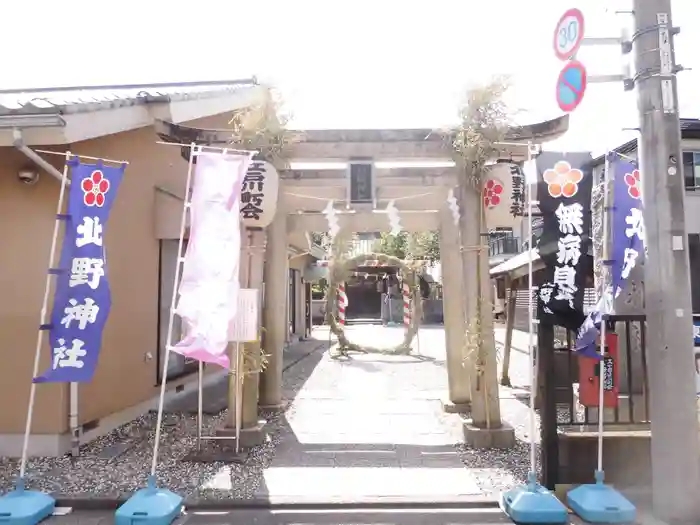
<point x="505" y="245"/>
<point x="559" y="392"/>
<point x="632" y="409"/>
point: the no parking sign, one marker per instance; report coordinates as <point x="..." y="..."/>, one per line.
<point x="571" y="86"/>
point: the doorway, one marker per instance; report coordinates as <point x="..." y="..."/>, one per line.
<point x="291" y="302"/>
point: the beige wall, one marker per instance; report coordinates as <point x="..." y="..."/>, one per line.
<point x="692" y="198"/>
<point x="129" y="346"/>
<point x="27" y="215"/>
<point x="131" y="332"/>
<point x="130" y="339"/>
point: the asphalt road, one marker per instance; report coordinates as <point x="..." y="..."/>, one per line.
<point x="329" y="516"/>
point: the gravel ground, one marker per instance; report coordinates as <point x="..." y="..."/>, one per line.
<point x="499" y="470"/>
<point x="92" y="476"/>
<point x="98" y="473"/>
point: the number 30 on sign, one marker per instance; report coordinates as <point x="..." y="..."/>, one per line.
<point x="568" y="34"/>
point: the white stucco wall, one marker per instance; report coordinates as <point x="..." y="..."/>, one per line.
<point x="692" y="198"/>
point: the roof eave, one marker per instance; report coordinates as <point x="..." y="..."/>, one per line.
<point x="80" y="126"/>
<point x="690" y="130"/>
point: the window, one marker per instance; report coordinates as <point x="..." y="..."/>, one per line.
<point x="369" y="236"/>
<point x="691" y="170"/>
<point x="694" y="256"/>
<point x="177" y="364"/>
<point x="501" y="288"/>
<point x="502" y="242"/>
<point x="292" y="302"/>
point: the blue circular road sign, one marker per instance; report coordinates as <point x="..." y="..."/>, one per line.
<point x="571" y="86"/>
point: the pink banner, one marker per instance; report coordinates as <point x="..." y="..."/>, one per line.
<point x="209" y="287"/>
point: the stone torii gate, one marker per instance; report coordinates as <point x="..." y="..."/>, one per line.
<point x="362" y="171"/>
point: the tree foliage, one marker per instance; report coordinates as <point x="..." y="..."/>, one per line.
<point x="263" y="128"/>
<point x="405" y="245"/>
<point x="484" y="122"/>
<point x="425" y="245"/>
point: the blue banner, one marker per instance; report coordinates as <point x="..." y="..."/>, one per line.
<point x="82" y="299"/>
<point x="627" y="222"/>
<point x="627" y="248"/>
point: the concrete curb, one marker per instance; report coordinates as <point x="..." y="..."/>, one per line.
<point x="300" y="503"/>
<point x="315" y="349"/>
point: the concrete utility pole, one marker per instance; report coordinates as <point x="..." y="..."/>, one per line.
<point x="675" y="447"/>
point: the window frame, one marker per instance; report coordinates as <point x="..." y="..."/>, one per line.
<point x="188" y="366"/>
<point x="696" y="169"/>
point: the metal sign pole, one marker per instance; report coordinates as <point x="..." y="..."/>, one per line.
<point x="239" y="394"/>
<point x="200" y="409"/>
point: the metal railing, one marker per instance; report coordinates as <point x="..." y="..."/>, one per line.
<point x="632" y="409"/>
<point x="559" y="389"/>
<point x="505" y="245"/>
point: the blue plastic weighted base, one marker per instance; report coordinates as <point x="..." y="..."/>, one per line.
<point x="25" y="507"/>
<point x="150" y="506"/>
<point x="532" y="503"/>
<point x="600" y="503"/>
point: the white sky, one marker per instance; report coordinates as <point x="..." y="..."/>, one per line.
<point x="359" y="64"/>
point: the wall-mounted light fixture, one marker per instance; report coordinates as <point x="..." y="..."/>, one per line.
<point x="28" y="175"/>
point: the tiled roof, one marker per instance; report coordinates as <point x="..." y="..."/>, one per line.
<point x="690" y="129"/>
<point x="516" y="262"/>
<point x="86" y="98"/>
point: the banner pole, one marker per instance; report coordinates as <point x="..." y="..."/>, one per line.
<point x="200" y="405"/>
<point x="239" y="394"/>
<point x="608" y="187"/>
<point x="42" y="323"/>
<point x="169" y="339"/>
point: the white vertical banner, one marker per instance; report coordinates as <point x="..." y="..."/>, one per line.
<point x="208" y="294"/>
<point x="244" y="325"/>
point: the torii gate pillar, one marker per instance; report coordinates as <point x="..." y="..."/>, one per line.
<point x="274" y="311"/>
<point x="454" y="313"/>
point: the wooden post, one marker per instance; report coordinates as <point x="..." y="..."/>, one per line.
<point x="510" y="322"/>
<point x="548" y="412"/>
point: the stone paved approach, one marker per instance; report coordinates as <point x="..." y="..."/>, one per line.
<point x="371" y="427"/>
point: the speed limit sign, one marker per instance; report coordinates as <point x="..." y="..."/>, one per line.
<point x="568" y="34"/>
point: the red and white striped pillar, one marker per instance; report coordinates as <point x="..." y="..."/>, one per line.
<point x="342" y="303"/>
<point x="406" y="303"/>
